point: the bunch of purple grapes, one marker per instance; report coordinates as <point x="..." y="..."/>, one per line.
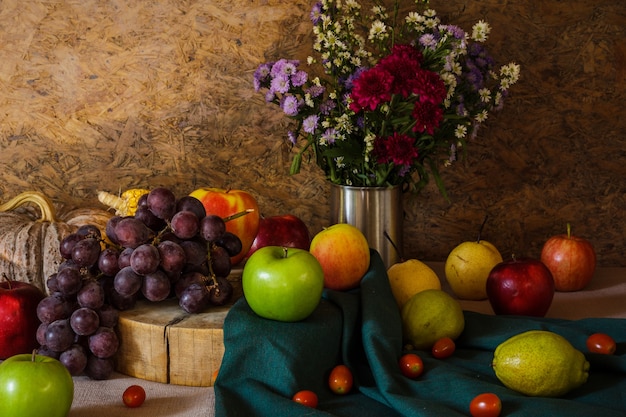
<point x="77" y="323"/>
<point x="169" y="248"/>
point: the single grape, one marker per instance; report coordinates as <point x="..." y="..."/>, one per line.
<point x="86" y="252"/>
<point x="104" y="342"/>
<point x="59" y="335"/>
<point x="156" y="286"/>
<point x="109" y="316"/>
<point x="192" y="204"/>
<point x="220" y="261"/>
<point x="221" y="291"/>
<point x="194" y="298"/>
<point x="53" y="307"/>
<point x="131" y="232"/>
<point x="99" y="369"/>
<point x="127" y="282"/>
<point x="195" y="252"/>
<point x="162" y="202"/>
<point x="212" y="227"/>
<point x="185" y="224"/>
<point x="148" y="218"/>
<point x="231" y="243"/>
<point x="172" y="256"/>
<point x="51" y="283"/>
<point x="41" y="333"/>
<point x="109" y="229"/>
<point x="74" y="359"/>
<point x="123" y="260"/>
<point x="89" y="230"/>
<point x="84" y="321"/>
<point x="186" y="280"/>
<point x="122" y="302"/>
<point x="67" y="244"/>
<point x="142" y="201"/>
<point x="91" y="295"/>
<point x="69" y="281"/>
<point x="145" y="259"/>
<point x="108" y="261"/>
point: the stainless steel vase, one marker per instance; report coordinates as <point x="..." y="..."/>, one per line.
<point x="374" y="210"/>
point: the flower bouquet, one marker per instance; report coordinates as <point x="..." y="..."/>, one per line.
<point x="387" y="99"/>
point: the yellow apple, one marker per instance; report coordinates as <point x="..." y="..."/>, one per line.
<point x="468" y="266"/>
<point x="410" y="277"/>
<point x="344" y="254"/>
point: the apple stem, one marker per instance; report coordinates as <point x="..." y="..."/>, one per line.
<point x="569" y="231"/>
<point x="32" y="358"/>
<point x="480" y="230"/>
<point x="238" y="215"/>
<point x="284" y="251"/>
<point x="394" y="245"/>
<point x="4" y="277"/>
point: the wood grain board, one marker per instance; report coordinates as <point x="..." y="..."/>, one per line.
<point x="161" y="342"/>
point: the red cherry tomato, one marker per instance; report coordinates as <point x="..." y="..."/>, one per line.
<point x="486" y="405"/>
<point x="601" y="343"/>
<point x="443" y="348"/>
<point x="340" y="379"/>
<point x="306" y="397"/>
<point x="134" y="396"/>
<point x="411" y="365"/>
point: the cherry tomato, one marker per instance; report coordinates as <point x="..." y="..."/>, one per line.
<point x="340" y="379"/>
<point x="443" y="348"/>
<point x="601" y="343"/>
<point x="486" y="405"/>
<point x="411" y="365"/>
<point x="134" y="396"/>
<point x="306" y="397"/>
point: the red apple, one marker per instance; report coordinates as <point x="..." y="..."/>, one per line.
<point x="226" y="203"/>
<point x="571" y="259"/>
<point x="286" y="230"/>
<point x="523" y="287"/>
<point x="18" y="317"/>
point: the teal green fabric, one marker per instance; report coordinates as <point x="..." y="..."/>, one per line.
<point x="266" y="362"/>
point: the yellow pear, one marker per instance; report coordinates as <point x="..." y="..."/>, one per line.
<point x="410" y="277"/>
<point x="468" y="266"/>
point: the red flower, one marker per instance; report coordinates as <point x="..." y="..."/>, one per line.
<point x="404" y="64"/>
<point x="397" y="148"/>
<point x="428" y="117"/>
<point x="430" y="87"/>
<point x="371" y="88"/>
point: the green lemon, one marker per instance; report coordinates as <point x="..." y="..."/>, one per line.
<point x="430" y="315"/>
<point x="540" y="363"/>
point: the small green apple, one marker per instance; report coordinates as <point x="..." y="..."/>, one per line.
<point x="283" y="284"/>
<point x="34" y="386"/>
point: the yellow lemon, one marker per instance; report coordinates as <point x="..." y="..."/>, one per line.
<point x="430" y="315"/>
<point x="468" y="266"/>
<point x="410" y="277"/>
<point x="540" y="363"/>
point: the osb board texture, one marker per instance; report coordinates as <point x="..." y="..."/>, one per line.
<point x="115" y="94"/>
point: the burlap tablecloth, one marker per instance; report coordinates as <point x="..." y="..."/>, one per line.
<point x="605" y="297"/>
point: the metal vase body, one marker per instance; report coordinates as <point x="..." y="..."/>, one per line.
<point x="373" y="210"/>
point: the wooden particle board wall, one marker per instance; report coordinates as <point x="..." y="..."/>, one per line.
<point x="117" y="94"/>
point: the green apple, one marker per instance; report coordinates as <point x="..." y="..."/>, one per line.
<point x="34" y="386"/>
<point x="283" y="284"/>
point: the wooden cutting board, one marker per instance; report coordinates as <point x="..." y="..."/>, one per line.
<point x="161" y="342"/>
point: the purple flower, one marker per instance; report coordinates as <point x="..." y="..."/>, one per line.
<point x="310" y="123"/>
<point x="315" y="91"/>
<point x="292" y="137"/>
<point x="299" y="78"/>
<point x="284" y="67"/>
<point x="329" y="136"/>
<point x="261" y="75"/>
<point x="316" y="13"/>
<point x="327" y="106"/>
<point x="456" y="31"/>
<point x="290" y="105"/>
<point x="280" y="84"/>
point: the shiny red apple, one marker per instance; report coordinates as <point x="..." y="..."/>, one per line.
<point x="18" y="317"/>
<point x="571" y="259"/>
<point x="284" y="230"/>
<point x="522" y="287"/>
